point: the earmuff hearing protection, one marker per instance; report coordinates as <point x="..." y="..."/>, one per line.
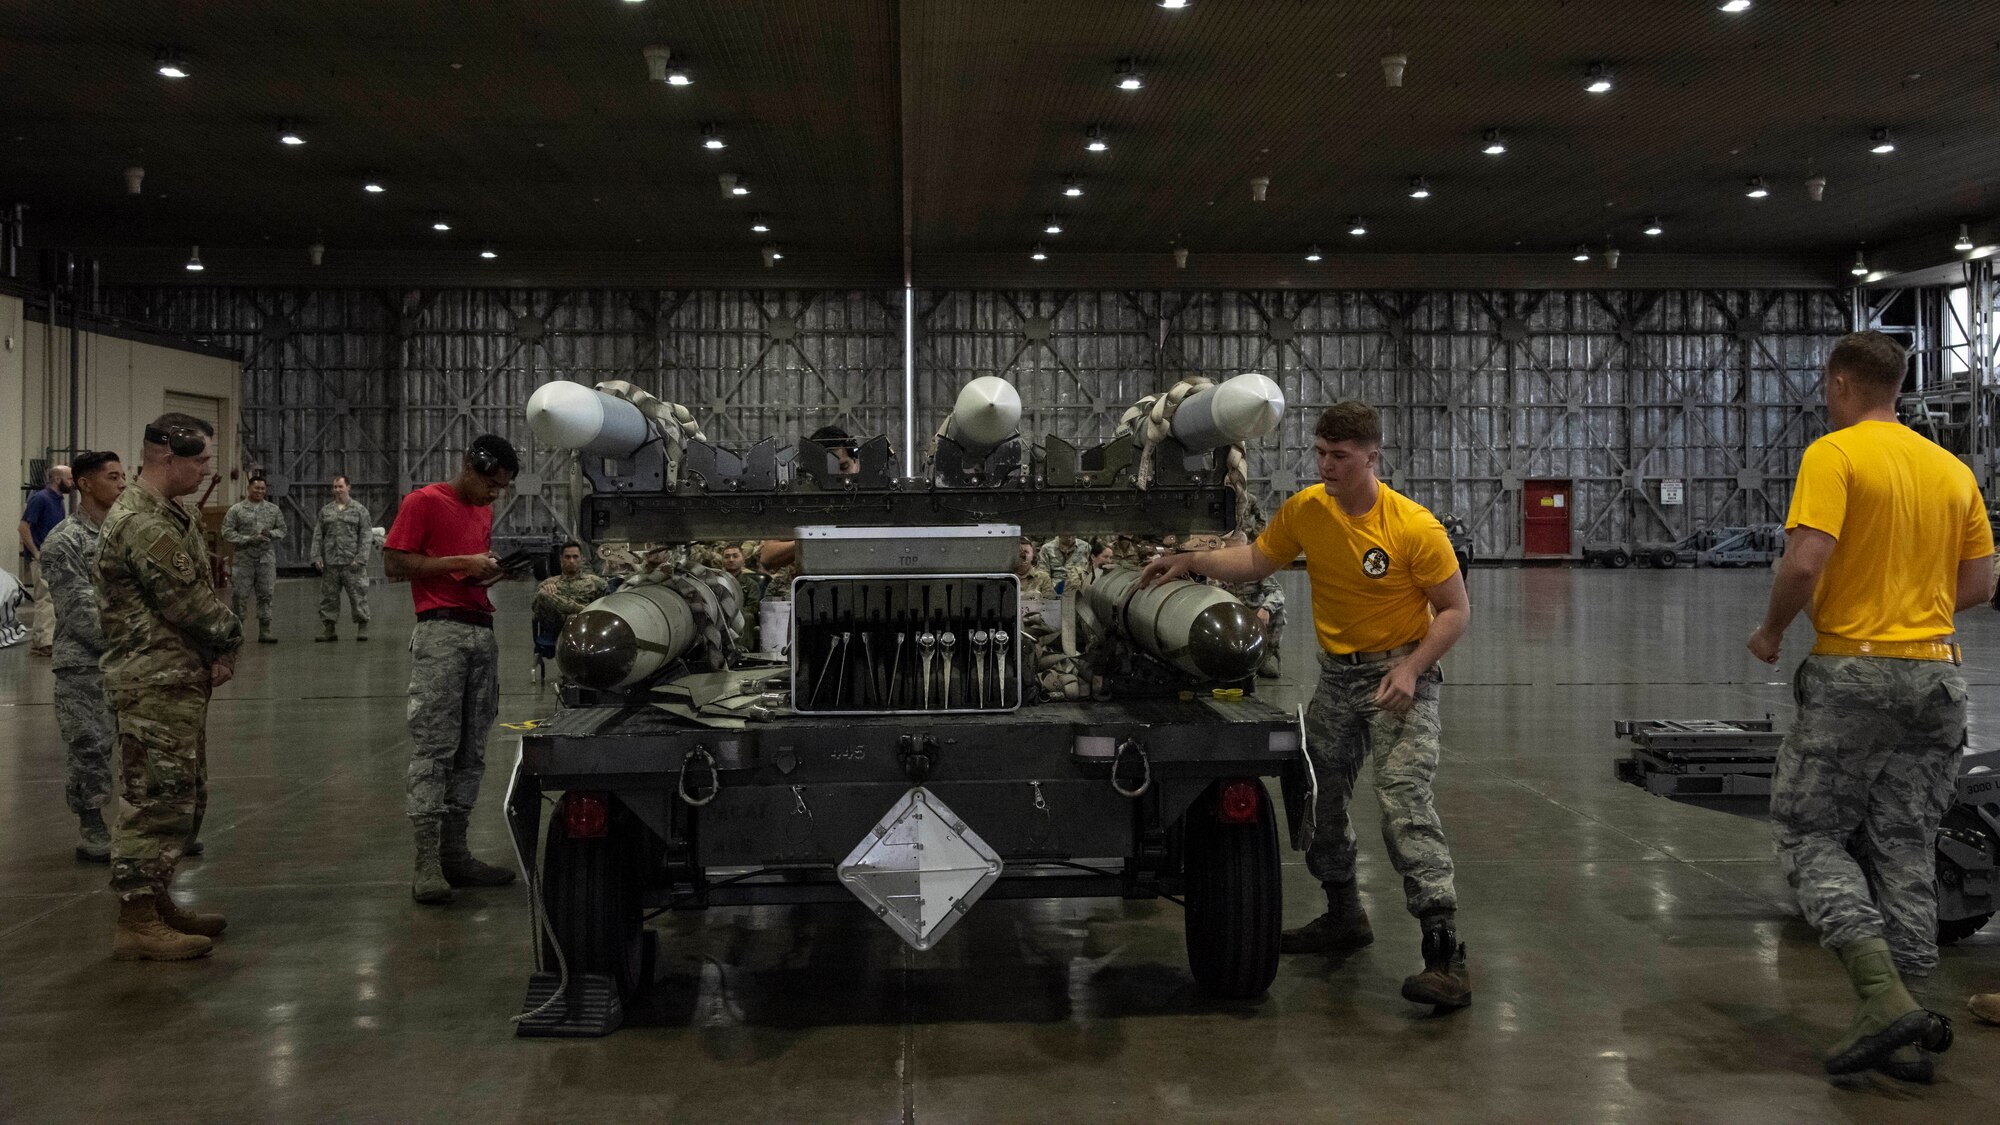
<point x="482" y="461"/>
<point x="182" y="440"/>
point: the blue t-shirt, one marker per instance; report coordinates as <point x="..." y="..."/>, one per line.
<point x="45" y="511"/>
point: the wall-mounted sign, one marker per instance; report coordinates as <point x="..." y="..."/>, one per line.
<point x="1670" y="491"/>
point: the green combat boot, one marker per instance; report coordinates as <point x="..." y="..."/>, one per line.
<point x="93" y="839"/>
<point x="327" y="634"/>
<point x="1343" y="927"/>
<point x="141" y="936"/>
<point x="428" y="886"/>
<point x="460" y="868"/>
<point x="1445" y="982"/>
<point x="1887" y="1017"/>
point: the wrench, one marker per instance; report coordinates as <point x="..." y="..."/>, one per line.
<point x="947" y="642"/>
<point x="1000" y="665"/>
<point x="832" y="651"/>
<point x="979" y="666"/>
<point x="896" y="670"/>
<point x="927" y="650"/>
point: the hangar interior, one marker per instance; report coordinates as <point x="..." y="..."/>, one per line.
<point x="361" y="235"/>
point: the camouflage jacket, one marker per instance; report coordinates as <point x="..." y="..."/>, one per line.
<point x="163" y="624"/>
<point x="1055" y="561"/>
<point x="1037" y="584"/>
<point x="69" y="564"/>
<point x="340" y="538"/>
<point x="1265" y="594"/>
<point x="252" y="528"/>
<point x="559" y="596"/>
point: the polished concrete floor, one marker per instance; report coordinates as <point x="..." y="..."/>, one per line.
<point x="1635" y="960"/>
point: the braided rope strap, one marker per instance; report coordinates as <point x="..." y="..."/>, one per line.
<point x="673" y="422"/>
<point x="1151" y="420"/>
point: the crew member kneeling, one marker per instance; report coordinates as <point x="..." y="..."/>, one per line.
<point x="1388" y="602"/>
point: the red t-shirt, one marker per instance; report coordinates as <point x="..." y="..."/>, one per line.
<point x="434" y="521"/>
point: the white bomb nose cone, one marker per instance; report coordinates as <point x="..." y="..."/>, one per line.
<point x="572" y="416"/>
<point x="987" y="413"/>
<point x="1248" y="406"/>
<point x="1241" y="409"/>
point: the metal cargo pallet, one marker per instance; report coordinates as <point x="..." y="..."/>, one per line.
<point x="1700" y="758"/>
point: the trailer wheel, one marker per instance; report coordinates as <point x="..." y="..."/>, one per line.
<point x="1666" y="559"/>
<point x="1617" y="560"/>
<point x="1233" y="898"/>
<point x="590" y="892"/>
<point x="1964" y="826"/>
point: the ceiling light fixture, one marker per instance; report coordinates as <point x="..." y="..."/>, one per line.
<point x="1129" y="76"/>
<point x="442" y="222"/>
<point x="1653" y="227"/>
<point x="1392" y="70"/>
<point x="1860" y="266"/>
<point x="1494" y="145"/>
<point x="1260" y="188"/>
<point x="1052" y="226"/>
<point x="1356" y="227"/>
<point x="1734" y="6"/>
<point x="1072" y="186"/>
<point x="1312" y="253"/>
<point x="1180" y="257"/>
<point x="488" y="252"/>
<point x="1039" y="253"/>
<point x="773" y="255"/>
<point x="1173" y="5"/>
<point x="1756" y="189"/>
<point x="1964" y="242"/>
<point x="168" y="63"/>
<point x="1093" y="139"/>
<point x="1879" y="142"/>
<point x="194" y="259"/>
<point x="758" y="225"/>
<point x="316" y="253"/>
<point x="1597" y="78"/>
<point x="288" y="134"/>
<point x="1420" y="188"/>
<point x="1610" y="256"/>
<point x="135" y="178"/>
<point x="711" y="139"/>
<point x="735" y="185"/>
<point x="1816" y="189"/>
<point x="1580" y="254"/>
<point x="660" y="67"/>
<point x="373" y="186"/>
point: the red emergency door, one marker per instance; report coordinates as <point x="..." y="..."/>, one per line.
<point x="1545" y="517"/>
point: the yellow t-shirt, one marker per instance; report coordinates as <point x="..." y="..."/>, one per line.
<point x="1368" y="573"/>
<point x="1905" y="513"/>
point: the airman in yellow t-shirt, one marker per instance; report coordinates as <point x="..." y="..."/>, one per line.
<point x="1888" y="539"/>
<point x="1388" y="602"/>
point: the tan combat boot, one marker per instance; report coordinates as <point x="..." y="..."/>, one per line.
<point x="427" y="883"/>
<point x="1444" y="983"/>
<point x="1343" y="927"/>
<point x="1985" y="1007"/>
<point x="461" y="868"/>
<point x="207" y="925"/>
<point x="141" y="936"/>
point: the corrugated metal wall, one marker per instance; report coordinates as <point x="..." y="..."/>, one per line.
<point x="1613" y="391"/>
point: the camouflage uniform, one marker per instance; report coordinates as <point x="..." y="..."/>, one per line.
<point x="752" y="599"/>
<point x="163" y="629"/>
<point x="560" y="596"/>
<point x="252" y="529"/>
<point x="1344" y="728"/>
<point x="69" y="558"/>
<point x="1862" y="782"/>
<point x="340" y="545"/>
<point x="454" y="699"/>
<point x="1052" y="558"/>
<point x="1037" y="584"/>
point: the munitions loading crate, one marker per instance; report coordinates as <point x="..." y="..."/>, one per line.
<point x="1693" y="758"/>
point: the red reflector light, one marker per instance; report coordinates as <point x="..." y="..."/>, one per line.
<point x="587" y="816"/>
<point x="1237" y="803"/>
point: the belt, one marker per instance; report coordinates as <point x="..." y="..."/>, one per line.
<point x="1370" y="657"/>
<point x="462" y="616"/>
<point x="1894" y="650"/>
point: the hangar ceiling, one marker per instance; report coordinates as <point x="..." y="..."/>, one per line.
<point x="950" y="126"/>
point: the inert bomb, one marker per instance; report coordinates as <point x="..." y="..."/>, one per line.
<point x="1244" y="408"/>
<point x="987" y="413"/>
<point x="625" y="637"/>
<point x="1199" y="629"/>
<point x="572" y="416"/>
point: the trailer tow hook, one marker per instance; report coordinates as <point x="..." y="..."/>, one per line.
<point x="1128" y="747"/>
<point x="700" y="758"/>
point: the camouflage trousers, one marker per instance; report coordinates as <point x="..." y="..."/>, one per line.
<point x="254" y="574"/>
<point x="163" y="762"/>
<point x="454" y="698"/>
<point x="89" y="729"/>
<point x="353" y="578"/>
<point x="1344" y="729"/>
<point x="1862" y="781"/>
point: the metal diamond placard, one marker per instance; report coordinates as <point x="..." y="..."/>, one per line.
<point x="920" y="868"/>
